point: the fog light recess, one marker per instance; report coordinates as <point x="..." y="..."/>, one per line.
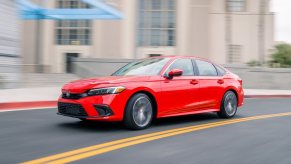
<point x="103" y="110"/>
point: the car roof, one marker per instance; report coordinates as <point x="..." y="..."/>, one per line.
<point x="179" y="57"/>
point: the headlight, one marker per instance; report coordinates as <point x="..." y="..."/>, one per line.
<point x="105" y="91"/>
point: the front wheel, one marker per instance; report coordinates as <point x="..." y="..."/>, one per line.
<point x="228" y="106"/>
<point x="84" y="120"/>
<point x="138" y="112"/>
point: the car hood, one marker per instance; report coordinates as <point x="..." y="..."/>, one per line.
<point x="83" y="85"/>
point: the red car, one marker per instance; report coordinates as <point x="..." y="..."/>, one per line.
<point x="154" y="88"/>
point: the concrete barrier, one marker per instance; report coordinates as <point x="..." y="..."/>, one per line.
<point x="87" y="67"/>
<point x="253" y="77"/>
<point x="264" y="78"/>
<point x="9" y="71"/>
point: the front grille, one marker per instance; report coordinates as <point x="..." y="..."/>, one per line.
<point x="71" y="109"/>
<point x="73" y="96"/>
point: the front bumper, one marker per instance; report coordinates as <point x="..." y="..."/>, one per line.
<point x="103" y="108"/>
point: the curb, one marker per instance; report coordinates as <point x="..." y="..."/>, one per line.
<point x="52" y="104"/>
<point x="267" y="96"/>
<point x="27" y="105"/>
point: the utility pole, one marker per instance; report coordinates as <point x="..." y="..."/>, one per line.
<point x="228" y="33"/>
<point x="261" y="31"/>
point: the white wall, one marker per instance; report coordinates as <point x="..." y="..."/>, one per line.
<point x="9" y="31"/>
<point x="244" y="32"/>
<point x="9" y="44"/>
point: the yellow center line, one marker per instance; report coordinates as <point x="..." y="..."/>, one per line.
<point x="90" y="151"/>
<point x="90" y="148"/>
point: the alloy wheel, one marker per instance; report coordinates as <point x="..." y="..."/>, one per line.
<point x="230" y="104"/>
<point x="142" y="111"/>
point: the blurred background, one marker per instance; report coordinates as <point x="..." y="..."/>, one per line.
<point x="46" y="43"/>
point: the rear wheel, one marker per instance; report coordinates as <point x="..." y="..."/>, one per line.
<point x="228" y="106"/>
<point x="138" y="112"/>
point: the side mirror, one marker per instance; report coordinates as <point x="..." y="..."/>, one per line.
<point x="175" y="72"/>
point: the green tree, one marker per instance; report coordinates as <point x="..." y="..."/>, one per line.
<point x="282" y="55"/>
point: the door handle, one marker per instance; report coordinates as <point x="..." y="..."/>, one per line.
<point x="194" y="82"/>
<point x="220" y="81"/>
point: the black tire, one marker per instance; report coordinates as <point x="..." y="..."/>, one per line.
<point x="228" y="107"/>
<point x="138" y="106"/>
<point x="84" y="120"/>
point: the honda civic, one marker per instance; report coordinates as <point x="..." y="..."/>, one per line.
<point x="153" y="88"/>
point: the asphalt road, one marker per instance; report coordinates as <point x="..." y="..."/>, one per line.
<point x="28" y="135"/>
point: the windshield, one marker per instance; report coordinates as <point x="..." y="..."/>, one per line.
<point x="145" y="67"/>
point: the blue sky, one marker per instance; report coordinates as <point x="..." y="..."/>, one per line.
<point x="282" y="20"/>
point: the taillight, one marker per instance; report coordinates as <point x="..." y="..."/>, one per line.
<point x="240" y="81"/>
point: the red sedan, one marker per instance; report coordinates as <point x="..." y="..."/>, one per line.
<point x="154" y="88"/>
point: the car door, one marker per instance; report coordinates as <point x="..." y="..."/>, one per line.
<point x="211" y="85"/>
<point x="180" y="93"/>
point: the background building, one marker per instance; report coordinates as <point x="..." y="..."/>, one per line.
<point x="225" y="31"/>
<point x="9" y="44"/>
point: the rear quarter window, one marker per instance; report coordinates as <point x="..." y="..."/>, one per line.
<point x="221" y="71"/>
<point x="205" y="68"/>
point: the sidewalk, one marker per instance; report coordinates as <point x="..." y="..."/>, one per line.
<point x="29" y="98"/>
<point x="260" y="93"/>
<point x="47" y="96"/>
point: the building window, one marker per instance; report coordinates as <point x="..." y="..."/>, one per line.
<point x="157" y="23"/>
<point x="235" y="5"/>
<point x="73" y="32"/>
<point x="154" y="55"/>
